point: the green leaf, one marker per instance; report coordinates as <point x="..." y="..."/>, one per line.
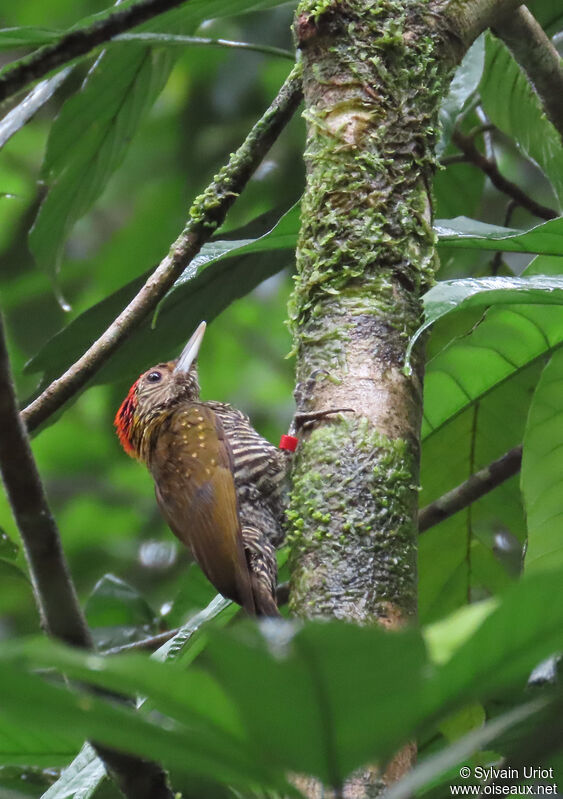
<point x="50" y="708"/>
<point x="463" y="85"/>
<point x="15" y="119"/>
<point x="513" y="106"/>
<point x="172" y="40"/>
<point x="432" y="767"/>
<point x="500" y="655"/>
<point x="192" y="637"/>
<point x="507" y="341"/>
<point x="542" y="470"/>
<point x="81" y="778"/>
<point x="34" y="746"/>
<point x="89" y="139"/>
<point x="444" y="637"/>
<point x="222" y="272"/>
<point x="544" y="239"/>
<point x="8" y="548"/>
<point x="330" y="676"/>
<point x="463" y="721"/>
<point x="11" y="38"/>
<point x="504" y="343"/>
<point x="191" y="697"/>
<point x="452" y="295"/>
<point x="118" y="614"/>
<point x="9" y="569"/>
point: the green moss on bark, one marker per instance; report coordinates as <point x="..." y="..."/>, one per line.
<point x="372" y="97"/>
<point x="352" y="491"/>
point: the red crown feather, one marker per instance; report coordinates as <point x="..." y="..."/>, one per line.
<point x="124" y="420"/>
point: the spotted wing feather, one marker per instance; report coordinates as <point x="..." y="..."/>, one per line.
<point x="195" y="490"/>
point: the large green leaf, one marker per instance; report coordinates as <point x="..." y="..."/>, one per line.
<point x="476" y="552"/>
<point x="542" y="470"/>
<point x="222" y="272"/>
<point x="35" y="746"/>
<point x="513" y="106"/>
<point x="506" y="341"/>
<point x="544" y="239"/>
<point x="452" y="295"/>
<point x="50" y="708"/>
<point x="331" y="677"/>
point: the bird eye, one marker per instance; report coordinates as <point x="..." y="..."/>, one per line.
<point x="154" y="377"/>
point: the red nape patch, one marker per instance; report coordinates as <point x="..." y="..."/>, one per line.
<point x="124" y="420"/>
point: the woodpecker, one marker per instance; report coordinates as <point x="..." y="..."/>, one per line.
<point x="218" y="483"/>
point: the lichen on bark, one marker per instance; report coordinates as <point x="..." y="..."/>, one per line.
<point x="373" y="76"/>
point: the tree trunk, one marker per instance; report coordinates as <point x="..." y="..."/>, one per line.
<point x="374" y="73"/>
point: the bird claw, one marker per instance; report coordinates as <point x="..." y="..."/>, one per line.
<point x="305" y="420"/>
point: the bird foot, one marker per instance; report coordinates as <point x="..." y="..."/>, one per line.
<point x="304" y="420"/>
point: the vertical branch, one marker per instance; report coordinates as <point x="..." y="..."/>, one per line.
<point x="56" y="598"/>
<point x="61" y="615"/>
<point x="374" y="72"/>
<point x="372" y="82"/>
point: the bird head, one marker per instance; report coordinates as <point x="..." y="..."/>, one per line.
<point x="155" y="392"/>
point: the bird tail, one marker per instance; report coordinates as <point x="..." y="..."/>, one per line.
<point x="263" y="568"/>
<point x="264" y="602"/>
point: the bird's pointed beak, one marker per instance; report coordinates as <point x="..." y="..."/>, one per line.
<point x="190" y="351"/>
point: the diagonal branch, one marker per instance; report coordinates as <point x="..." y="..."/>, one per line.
<point x="56" y="597"/>
<point x="78" y="42"/>
<point x="471" y="490"/>
<point x="532" y="49"/>
<point x="468" y="18"/>
<point x="206" y="215"/>
<point x="472" y="153"/>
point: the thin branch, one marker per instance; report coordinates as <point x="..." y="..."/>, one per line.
<point x="490" y="168"/>
<point x="56" y="598"/>
<point x="182" y="41"/>
<point x="78" y="42"/>
<point x="468" y="18"/>
<point x="456" y="158"/>
<point x="536" y="54"/>
<point x="487" y="129"/>
<point x="471" y="490"/>
<point x="206" y="215"/>
<point x="497" y="259"/>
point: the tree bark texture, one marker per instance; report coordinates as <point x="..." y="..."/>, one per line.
<point x="373" y="76"/>
<point x="374" y="73"/>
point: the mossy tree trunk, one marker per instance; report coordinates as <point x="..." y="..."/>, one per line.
<point x="374" y="74"/>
